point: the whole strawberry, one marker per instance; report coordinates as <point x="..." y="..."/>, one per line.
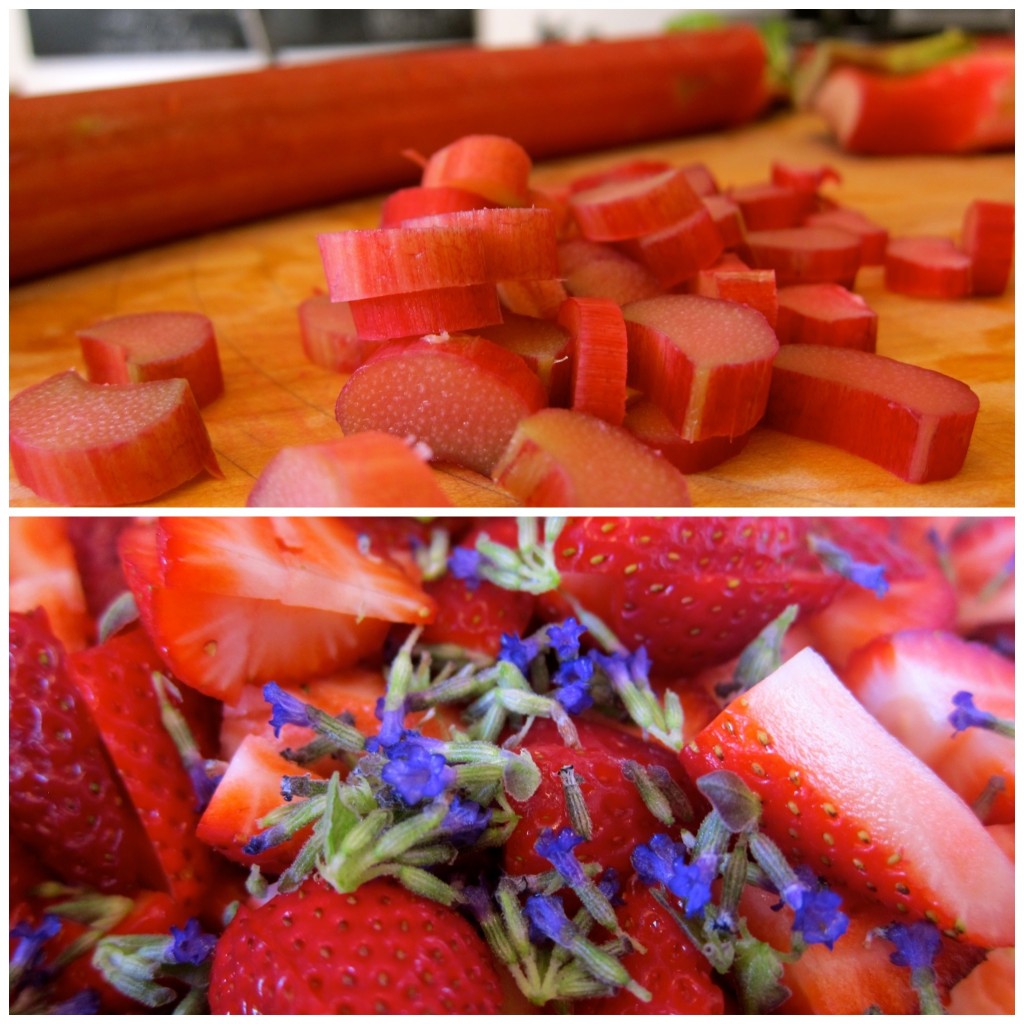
<point x="619" y="817"/>
<point x="378" y="950"/>
<point x="692" y="591"/>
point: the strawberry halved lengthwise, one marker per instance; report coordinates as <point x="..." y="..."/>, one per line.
<point x="561" y="459"/>
<point x="705" y="362"/>
<point x="76" y="443"/>
<point x="462" y="396"/>
<point x="138" y="347"/>
<point x="914" y="422"/>
<point x="372" y="469"/>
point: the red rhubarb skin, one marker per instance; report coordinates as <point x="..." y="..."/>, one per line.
<point x="160" y="345"/>
<point x="462" y="396"/>
<point x="914" y="422"/>
<point x="328" y="335"/>
<point x="927" y="267"/>
<point x="766" y="206"/>
<point x="672" y="336"/>
<point x="76" y="443"/>
<point x="649" y="425"/>
<point x="873" y="237"/>
<point x="988" y="241"/>
<point x="563" y="459"/>
<point x="961" y="105"/>
<point x="677" y="253"/>
<point x="598" y="359"/>
<point x="825" y="314"/>
<point x="805" y="255"/>
<point x="423" y="201"/>
<point x="431" y="311"/>
<point x="733" y="280"/>
<point x="617" y="210"/>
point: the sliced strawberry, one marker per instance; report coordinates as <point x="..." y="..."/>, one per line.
<point x="918" y="594"/>
<point x="981" y="557"/>
<point x="67" y="803"/>
<point x="694" y="591"/>
<point x="94" y="540"/>
<point x="115" y="680"/>
<point x="249" y="789"/>
<point x="856" y="975"/>
<point x="908" y="681"/>
<point x="840" y="793"/>
<point x="989" y="989"/>
<point x="216" y="627"/>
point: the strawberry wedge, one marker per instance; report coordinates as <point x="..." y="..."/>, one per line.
<point x="706" y="362"/>
<point x="839" y="793"/>
<point x="914" y="422"/>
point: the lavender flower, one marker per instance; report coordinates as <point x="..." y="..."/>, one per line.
<point x="190" y="945"/>
<point x="416" y="773"/>
<point x="286" y="709"/>
<point x="558" y="848"/>
<point x="663" y="861"/>
<point x="916" y="944"/>
<point x="564" y="638"/>
<point x="464" y="564"/>
<point x="518" y="651"/>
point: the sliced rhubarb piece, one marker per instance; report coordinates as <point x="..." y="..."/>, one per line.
<point x="912" y="421"/>
<point x="328" y="334"/>
<point x="805" y="255"/>
<point x="532" y="298"/>
<point x="419" y="201"/>
<point x="649" y="425"/>
<point x="462" y="396"/>
<point x="76" y="443"/>
<point x="596" y="270"/>
<point x="825" y="314"/>
<point x="617" y="210"/>
<point x="563" y="459"/>
<point x="803" y="178"/>
<point x="728" y="218"/>
<point x="627" y="170"/>
<point x="430" y="311"/>
<point x="365" y="470"/>
<point x="873" y="237"/>
<point x="701" y="180"/>
<point x="598" y="357"/>
<point x="491" y="165"/>
<point x="518" y="244"/>
<point x="987" y="238"/>
<point x="680" y="251"/>
<point x="160" y="345"/>
<point x="543" y="344"/>
<point x="731" y="279"/>
<point x="927" y="267"/>
<point x="767" y="206"/>
<point x="706" y="362"/>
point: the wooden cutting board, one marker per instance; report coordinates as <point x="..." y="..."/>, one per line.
<point x="250" y="280"/>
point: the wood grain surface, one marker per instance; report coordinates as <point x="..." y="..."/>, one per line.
<point x="249" y="281"/>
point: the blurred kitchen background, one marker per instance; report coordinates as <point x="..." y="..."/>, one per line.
<point x="70" y="49"/>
